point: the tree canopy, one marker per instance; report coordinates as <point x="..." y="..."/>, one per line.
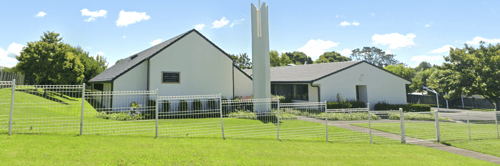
<point x="51" y="61"/>
<point x="333" y="56"/>
<point x="241" y="60"/>
<point x="423" y="66"/>
<point x="470" y="71"/>
<point x="298" y="58"/>
<point x="375" y="56"/>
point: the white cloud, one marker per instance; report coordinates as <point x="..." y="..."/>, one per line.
<point x="124" y="37"/>
<point x="220" y="23"/>
<point x="283" y="51"/>
<point x="388" y="52"/>
<point x="93" y="14"/>
<point x="8" y="57"/>
<point x="236" y="22"/>
<point x="394" y="40"/>
<point x="127" y="18"/>
<point x="477" y="39"/>
<point x="314" y="48"/>
<point x="41" y="14"/>
<point x="443" y="49"/>
<point x="100" y="53"/>
<point x="346" y="52"/>
<point x="427" y="25"/>
<point x="345" y="23"/>
<point x="431" y="59"/>
<point x="199" y="27"/>
<point x="155" y="42"/>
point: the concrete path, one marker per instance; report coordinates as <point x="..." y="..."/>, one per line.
<point x="429" y="144"/>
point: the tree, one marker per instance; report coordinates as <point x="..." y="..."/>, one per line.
<point x="423" y="66"/>
<point x="375" y="56"/>
<point x="274" y="58"/>
<point x="333" y="56"/>
<point x="51" y="61"/>
<point x="420" y="79"/>
<point x="242" y="61"/>
<point x="298" y="58"/>
<point x="401" y="70"/>
<point x="470" y="71"/>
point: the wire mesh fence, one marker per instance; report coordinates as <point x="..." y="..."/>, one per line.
<point x="189" y="116"/>
<point x="47" y="109"/>
<point x="5" y="104"/>
<point x="120" y="113"/>
<point x="69" y="109"/>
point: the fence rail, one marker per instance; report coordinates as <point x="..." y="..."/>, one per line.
<point x="70" y="109"/>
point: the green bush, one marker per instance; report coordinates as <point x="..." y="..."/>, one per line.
<point x="426" y="117"/>
<point x="150" y="112"/>
<point x="285" y="115"/>
<point x="345" y="104"/>
<point x="183" y="105"/>
<point x="197" y="105"/>
<point x="406" y="107"/>
<point x="166" y="106"/>
<point x="242" y="115"/>
<point x="357" y="104"/>
<point x="211" y="104"/>
<point x="121" y="116"/>
<point x="346" y="116"/>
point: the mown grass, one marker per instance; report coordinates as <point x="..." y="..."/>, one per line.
<point x="118" y="150"/>
<point x="488" y="146"/>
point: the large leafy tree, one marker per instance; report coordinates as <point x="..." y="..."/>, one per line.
<point x="423" y="66"/>
<point x="333" y="56"/>
<point x="375" y="56"/>
<point x="242" y="61"/>
<point x="274" y="58"/>
<point x="298" y="58"/>
<point x="420" y="79"/>
<point x="470" y="71"/>
<point x="401" y="70"/>
<point x="51" y="61"/>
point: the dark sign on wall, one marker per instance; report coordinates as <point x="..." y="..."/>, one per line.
<point x="171" y="77"/>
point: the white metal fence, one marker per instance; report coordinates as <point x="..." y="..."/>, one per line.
<point x="70" y="109"/>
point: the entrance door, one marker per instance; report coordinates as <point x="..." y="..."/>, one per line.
<point x="361" y="94"/>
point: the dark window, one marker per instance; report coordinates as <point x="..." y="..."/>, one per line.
<point x="99" y="87"/>
<point x="291" y="91"/>
<point x="171" y="77"/>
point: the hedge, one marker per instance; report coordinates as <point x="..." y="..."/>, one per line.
<point x="406" y="107"/>
<point x="347" y="104"/>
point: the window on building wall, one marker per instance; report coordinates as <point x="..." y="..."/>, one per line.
<point x="292" y="91"/>
<point x="171" y="77"/>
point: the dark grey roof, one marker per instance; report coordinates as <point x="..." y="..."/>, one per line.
<point x="309" y="73"/>
<point x="128" y="63"/>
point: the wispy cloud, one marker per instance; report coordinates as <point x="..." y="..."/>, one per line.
<point x="127" y="18"/>
<point x="478" y="39"/>
<point x="443" y="49"/>
<point x="220" y="23"/>
<point x="199" y="27"/>
<point x="345" y="23"/>
<point x="235" y="22"/>
<point x="394" y="40"/>
<point x="346" y="52"/>
<point x="41" y="14"/>
<point x="155" y="42"/>
<point x="93" y="14"/>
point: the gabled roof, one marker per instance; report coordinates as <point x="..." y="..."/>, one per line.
<point x="311" y="73"/>
<point x="120" y="68"/>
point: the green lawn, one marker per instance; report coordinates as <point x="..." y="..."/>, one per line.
<point x="489" y="146"/>
<point x="46" y="149"/>
<point x="488" y="110"/>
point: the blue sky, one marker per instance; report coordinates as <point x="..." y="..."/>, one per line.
<point x="413" y="30"/>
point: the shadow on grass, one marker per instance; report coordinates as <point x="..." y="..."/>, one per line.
<point x="49" y="95"/>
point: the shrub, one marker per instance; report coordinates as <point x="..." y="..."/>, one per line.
<point x="357" y="104"/>
<point x="242" y="115"/>
<point x="346" y="116"/>
<point x="406" y="107"/>
<point x="183" y="105"/>
<point x="285" y="115"/>
<point x="345" y="104"/>
<point x="282" y="99"/>
<point x="211" y="104"/>
<point x="426" y="117"/>
<point x="121" y="116"/>
<point x="197" y="105"/>
<point x="150" y="112"/>
<point x="166" y="106"/>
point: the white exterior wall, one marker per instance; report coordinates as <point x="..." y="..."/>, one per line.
<point x="133" y="80"/>
<point x="381" y="85"/>
<point x="242" y="84"/>
<point x="313" y="93"/>
<point x="203" y="69"/>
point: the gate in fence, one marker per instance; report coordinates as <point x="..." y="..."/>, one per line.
<point x="5" y="104"/>
<point x="47" y="108"/>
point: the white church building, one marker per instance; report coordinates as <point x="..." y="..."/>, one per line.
<point x="190" y="64"/>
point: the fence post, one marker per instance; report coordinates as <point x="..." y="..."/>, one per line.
<point x="438" y="134"/>
<point x="278" y="136"/>
<point x="326" y="120"/>
<point x="12" y="105"/>
<point x="369" y="121"/>
<point x="83" y="108"/>
<point x="156" y="114"/>
<point x="496" y="122"/>
<point x="403" y="130"/>
<point x="468" y="125"/>
<point x="220" y="107"/>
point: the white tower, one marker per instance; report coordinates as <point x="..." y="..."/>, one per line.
<point x="260" y="56"/>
